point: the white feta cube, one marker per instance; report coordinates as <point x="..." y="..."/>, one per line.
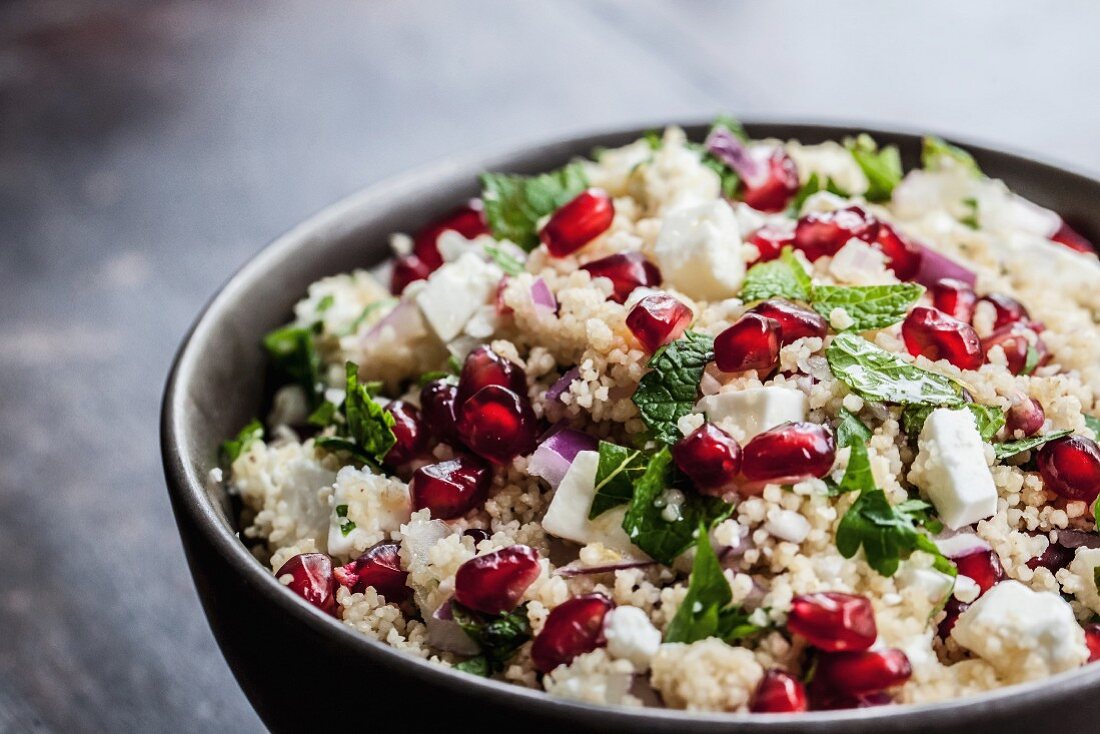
<point x="455" y="292"/>
<point x="930" y="583"/>
<point x="631" y="636"/>
<point x="699" y="251"/>
<point x="754" y="410"/>
<point x="787" y="525"/>
<point x="567" y="515"/>
<point x="1084" y="568"/>
<point x="1023" y="634"/>
<point x="366" y="507"/>
<point x="955" y="475"/>
<point x="857" y="263"/>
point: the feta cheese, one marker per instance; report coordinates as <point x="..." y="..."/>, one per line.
<point x="754" y="410"/>
<point x="931" y="584"/>
<point x="961" y="544"/>
<point x="1084" y="567"/>
<point x="787" y="525"/>
<point x="857" y="263"/>
<point x="631" y="636"/>
<point x="567" y="515"/>
<point x="455" y="292"/>
<point x="951" y="462"/>
<point x="675" y="176"/>
<point x="699" y="251"/>
<point x="1023" y="634"/>
<point x="371" y="505"/>
<point x="829" y="160"/>
<point x="966" y="589"/>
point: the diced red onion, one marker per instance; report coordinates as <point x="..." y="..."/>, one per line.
<point x="543" y="297"/>
<point x="446" y="634"/>
<point x="404" y="319"/>
<point x="1078" y="539"/>
<point x="726" y="147"/>
<point x="576" y="568"/>
<point x="935" y="267"/>
<point x="962" y="543"/>
<point x="552" y="459"/>
<point x="563" y="383"/>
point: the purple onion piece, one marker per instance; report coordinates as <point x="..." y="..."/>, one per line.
<point x="543" y="297"/>
<point x="563" y="383"/>
<point x="935" y="267"/>
<point x="726" y="147"/>
<point x="553" y="457"/>
<point x="576" y="568"/>
<point x="1073" y="539"/>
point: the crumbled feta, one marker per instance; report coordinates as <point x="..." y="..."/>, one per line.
<point x="961" y="544"/>
<point x="953" y="469"/>
<point x="675" y="176"/>
<point x="699" y="251"/>
<point x="1023" y="634"/>
<point x="829" y="160"/>
<point x="367" y="506"/>
<point x="631" y="636"/>
<point x="455" y="292"/>
<point x="1084" y="567"/>
<point x="755" y="409"/>
<point x="966" y="589"/>
<point x="932" y="584"/>
<point x="289" y="407"/>
<point x="567" y="515"/>
<point x="787" y="525"/>
<point x="857" y="263"/>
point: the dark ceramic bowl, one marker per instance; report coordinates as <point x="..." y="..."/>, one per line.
<point x="304" y="670"/>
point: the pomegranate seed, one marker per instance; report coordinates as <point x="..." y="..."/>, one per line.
<point x="378" y="567"/>
<point x="577" y="223"/>
<point x="863" y="672"/>
<point x="823" y="233"/>
<point x="495" y="582"/>
<point x="752" y="343"/>
<point x="952" y="610"/>
<point x="710" y="457"/>
<point x="1092" y="639"/>
<point x="794" y="321"/>
<point x="572" y="628"/>
<point x="477" y="534"/>
<point x="497" y="424"/>
<point x="437" y="405"/>
<point x="981" y="565"/>
<point x="1014" y="342"/>
<point x="412" y="436"/>
<point x="774" y="190"/>
<point x="626" y="271"/>
<point x="823" y="698"/>
<point x="789" y="451"/>
<point x="833" y="621"/>
<point x="1070" y="467"/>
<point x="657" y="320"/>
<point x="770" y="241"/>
<point x="451" y="488"/>
<point x="1054" y="558"/>
<point x="1072" y="239"/>
<point x="312" y="579"/>
<point x="936" y="335"/>
<point x="1026" y="416"/>
<point x="407" y="269"/>
<point x="778" y="693"/>
<point x="468" y="220"/>
<point x="955" y="298"/>
<point x="484" y="367"/>
<point x="1008" y="309"/>
<point x="902" y="256"/>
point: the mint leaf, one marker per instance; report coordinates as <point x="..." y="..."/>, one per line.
<point x="346" y="525"/>
<point x="785" y="278"/>
<point x="1011" y="448"/>
<point x="850" y="429"/>
<point x="618" y="469"/>
<point x="869" y="306"/>
<point x="645" y="523"/>
<point x="1031" y="360"/>
<point x="508" y="263"/>
<point x="232" y="449"/>
<point x="475" y="666"/>
<point x="325" y="303"/>
<point x="876" y="374"/>
<point x="937" y="155"/>
<point x="498" y="636"/>
<point x="514" y="204"/>
<point x="881" y="167"/>
<point x="367" y="428"/>
<point x="811" y="187"/>
<point x="887" y="534"/>
<point x="294" y="355"/>
<point x="857" y="476"/>
<point x="670" y="389"/>
<point x="971" y="219"/>
<point x="324" y="415"/>
<point x="988" y="419"/>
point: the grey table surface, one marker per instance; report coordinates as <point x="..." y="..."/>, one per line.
<point x="147" y="149"/>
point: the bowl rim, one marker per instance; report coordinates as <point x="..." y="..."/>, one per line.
<point x="188" y="488"/>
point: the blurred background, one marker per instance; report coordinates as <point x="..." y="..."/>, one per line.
<point x="148" y="148"/>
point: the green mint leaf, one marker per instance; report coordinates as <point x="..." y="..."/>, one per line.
<point x="811" y="187"/>
<point x="937" y="154"/>
<point x="325" y="303"/>
<point x="850" y="429"/>
<point x="618" y="469"/>
<point x="988" y="419"/>
<point x="670" y="389"/>
<point x="857" y="476"/>
<point x="653" y="139"/>
<point x="887" y="534"/>
<point x="881" y="167"/>
<point x="498" y="636"/>
<point x="971" y="219"/>
<point x="1031" y="361"/>
<point x="507" y="262"/>
<point x="876" y="374"/>
<point x="1011" y="448"/>
<point x="368" y="424"/>
<point x="454" y="365"/>
<point x="645" y="523"/>
<point x="785" y="278"/>
<point x="346" y="525"/>
<point x="514" y="204"/>
<point x="294" y="355"/>
<point x="476" y="666"/>
<point x="324" y="415"/>
<point x="869" y="306"/>
<point x="705" y="611"/>
<point x="232" y="449"/>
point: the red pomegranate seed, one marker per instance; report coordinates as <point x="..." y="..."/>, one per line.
<point x="407" y="269"/>
<point x="497" y="424"/>
<point x="412" y="436"/>
<point x="936" y="335"/>
<point x="902" y="256"/>
<point x="577" y="223"/>
<point x="1070" y="467"/>
<point x="572" y="628"/>
<point x="778" y="692"/>
<point x="1014" y="342"/>
<point x="495" y="582"/>
<point x="1008" y="309"/>
<point x="484" y="367"/>
<point x="1092" y="639"/>
<point x="770" y="241"/>
<point x="450" y="488"/>
<point x="819" y="234"/>
<point x="752" y="343"/>
<point x="955" y="298"/>
<point x="468" y="221"/>
<point x="1026" y="416"/>
<point x="833" y="621"/>
<point x="952" y="610"/>
<point x="437" y="405"/>
<point x="789" y="451"/>
<point x="626" y="271"/>
<point x="1072" y="239"/>
<point x="983" y="566"/>
<point x="863" y="672"/>
<point x="378" y="567"/>
<point x="823" y="698"/>
<point x="794" y="321"/>
<point x="775" y="189"/>
<point x="1054" y="558"/>
<point x="312" y="579"/>
<point x="657" y="320"/>
<point x="710" y="457"/>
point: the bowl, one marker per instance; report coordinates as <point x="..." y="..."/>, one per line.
<point x="304" y="670"/>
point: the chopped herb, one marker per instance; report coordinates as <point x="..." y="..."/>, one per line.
<point x="881" y="167"/>
<point x="498" y="636"/>
<point x="294" y="354"/>
<point x="875" y="374"/>
<point x="324" y="415"/>
<point x="869" y="306"/>
<point x="346" y="525"/>
<point x="935" y="152"/>
<point x="653" y="139"/>
<point x="988" y="419"/>
<point x="326" y="303"/>
<point x="514" y="204"/>
<point x="670" y="389"/>
<point x="1011" y="448"/>
<point x="1031" y="361"/>
<point x="857" y="476"/>
<point x="365" y="314"/>
<point x="230" y="450"/>
<point x="507" y="262"/>
<point x="850" y="429"/>
<point x="618" y="469"/>
<point x="476" y="666"/>
<point x="367" y="427"/>
<point x="811" y="187"/>
<point x="730" y="180"/>
<point x="970" y="219"/>
<point x="436" y="375"/>
<point x="454" y="365"/>
<point x="784" y="277"/>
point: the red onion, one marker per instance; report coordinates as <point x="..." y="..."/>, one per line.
<point x="726" y="147"/>
<point x="935" y="267"/>
<point x="543" y="297"/>
<point x="563" y="383"/>
<point x="404" y="319"/>
<point x="1078" y="539"/>
<point x="576" y="568"/>
<point x="552" y="459"/>
<point x="446" y="634"/>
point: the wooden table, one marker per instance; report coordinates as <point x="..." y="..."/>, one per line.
<point x="147" y="149"/>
